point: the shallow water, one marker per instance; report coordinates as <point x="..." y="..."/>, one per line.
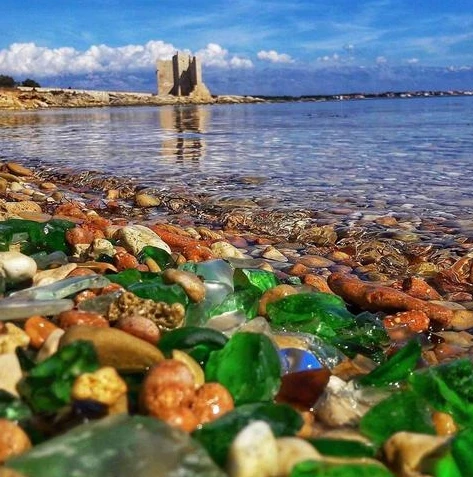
<point x="395" y="156"/>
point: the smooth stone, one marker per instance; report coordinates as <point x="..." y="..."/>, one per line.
<point x="47" y="277"/>
<point x="272" y="253"/>
<point x="253" y="452"/>
<point x="315" y="261"/>
<point x="60" y="289"/>
<point x="18" y="169"/>
<point x="225" y="250"/>
<point x="17" y="309"/>
<point x="462" y="320"/>
<point x="115" y="347"/>
<point x="192" y="284"/>
<point x="10" y="372"/>
<point x="16" y="267"/>
<point x="100" y="247"/>
<point x="118" y="446"/>
<point x="147" y="200"/>
<point x="135" y="237"/>
<point x="291" y="451"/>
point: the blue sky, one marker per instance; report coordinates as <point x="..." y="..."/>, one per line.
<point x="246" y="46"/>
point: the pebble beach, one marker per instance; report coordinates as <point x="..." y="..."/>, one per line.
<point x="159" y="335"/>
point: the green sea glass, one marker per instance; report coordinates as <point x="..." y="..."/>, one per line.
<point x="343" y="448"/>
<point x="47" y="387"/>
<point x="118" y="446"/>
<point x="262" y="280"/>
<point x="13" y="408"/>
<point x="35" y="236"/>
<point x="248" y="366"/>
<point x="402" y="411"/>
<point x="448" y="387"/>
<point x="198" y="342"/>
<point x="312" y="468"/>
<point x="397" y="368"/>
<point x="217" y="436"/>
<point x="160" y="256"/>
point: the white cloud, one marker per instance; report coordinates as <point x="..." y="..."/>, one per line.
<point x="381" y="60"/>
<point x="413" y="61"/>
<point x="28" y="59"/>
<point x="214" y="55"/>
<point x="274" y="57"/>
<point x="335" y="58"/>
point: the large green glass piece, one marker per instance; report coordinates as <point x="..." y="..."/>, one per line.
<point x="245" y="301"/>
<point x="402" y="411"/>
<point x="47" y="387"/>
<point x="318" y="313"/>
<point x="262" y="280"/>
<point x="448" y="387"/>
<point x="118" y="446"/>
<point x="35" y="236"/>
<point x="248" y="366"/>
<point x="397" y="368"/>
<point x="160" y="292"/>
<point x="462" y="447"/>
<point x="312" y="468"/>
<point x="217" y="436"/>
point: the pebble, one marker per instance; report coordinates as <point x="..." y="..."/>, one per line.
<point x="10" y="372"/>
<point x="18" y="169"/>
<point x="115" y="347"/>
<point x="272" y="253"/>
<point x="16" y="267"/>
<point x="291" y="451"/>
<point x="253" y="452"/>
<point x="192" y="284"/>
<point x="225" y="250"/>
<point x="17" y="208"/>
<point x="135" y="237"/>
<point x="147" y="200"/>
<point x="47" y="277"/>
<point x="315" y="261"/>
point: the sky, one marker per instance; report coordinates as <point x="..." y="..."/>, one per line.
<point x="291" y="47"/>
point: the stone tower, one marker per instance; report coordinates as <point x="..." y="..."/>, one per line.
<point x="181" y="76"/>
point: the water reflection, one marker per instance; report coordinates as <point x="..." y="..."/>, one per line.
<point x="183" y="128"/>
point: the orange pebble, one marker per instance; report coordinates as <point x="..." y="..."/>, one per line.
<point x="197" y="253"/>
<point x="69" y="318"/>
<point x="181" y="417"/>
<point x="415" y="320"/>
<point x="111" y="288"/>
<point x="38" y="329"/>
<point x="124" y="260"/>
<point x="211" y="401"/>
<point x="81" y="271"/>
<point x="83" y="296"/>
<point x="78" y="235"/>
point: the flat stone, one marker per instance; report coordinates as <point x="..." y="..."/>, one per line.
<point x="271" y="253"/>
<point x="225" y="250"/>
<point x="46" y="277"/>
<point x="135" y="237"/>
<point x="115" y="347"/>
<point x="18" y="169"/>
<point x="315" y="261"/>
<point x="17" y="208"/>
<point x="147" y="200"/>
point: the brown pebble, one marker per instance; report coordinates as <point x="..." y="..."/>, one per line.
<point x="211" y="401"/>
<point x="297" y="270"/>
<point x="274" y="294"/>
<point x="38" y="329"/>
<point x="13" y="440"/>
<point x="315" y="261"/>
<point x="69" y="318"/>
<point x="140" y="327"/>
<point x="18" y="169"/>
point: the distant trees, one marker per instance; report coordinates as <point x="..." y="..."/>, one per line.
<point x="9" y="82"/>
<point x="31" y="83"/>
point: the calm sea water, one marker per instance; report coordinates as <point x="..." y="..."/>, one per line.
<point x="391" y="156"/>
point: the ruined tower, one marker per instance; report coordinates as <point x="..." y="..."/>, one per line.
<point x="181" y="76"/>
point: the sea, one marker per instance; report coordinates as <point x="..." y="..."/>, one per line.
<point x="351" y="157"/>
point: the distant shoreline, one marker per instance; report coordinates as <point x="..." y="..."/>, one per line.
<point x="27" y="98"/>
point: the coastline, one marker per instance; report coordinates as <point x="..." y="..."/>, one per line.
<point x="22" y="98"/>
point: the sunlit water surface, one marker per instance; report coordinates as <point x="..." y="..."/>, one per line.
<point x="380" y="155"/>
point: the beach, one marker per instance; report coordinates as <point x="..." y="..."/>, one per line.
<point x="413" y="298"/>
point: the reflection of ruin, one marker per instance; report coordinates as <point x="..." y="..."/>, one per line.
<point x="186" y="125"/>
<point x="181" y="76"/>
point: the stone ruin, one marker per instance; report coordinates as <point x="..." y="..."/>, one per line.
<point x="181" y="76"/>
